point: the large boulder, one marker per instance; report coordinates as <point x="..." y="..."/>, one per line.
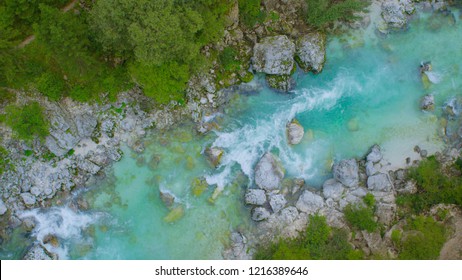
<point x="295" y="132"/>
<point x="394" y="12"/>
<point x="269" y="172"/>
<point x="311" y="52"/>
<point x="260" y="214"/>
<point x="277" y="202"/>
<point x="379" y="182"/>
<point x="346" y="172"/>
<point x="255" y="197"/>
<point x="332" y="189"/>
<point x="274" y="55"/>
<point x="375" y="155"/>
<point x="309" y="202"/>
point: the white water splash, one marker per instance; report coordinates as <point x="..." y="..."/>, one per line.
<point x="434" y="77"/>
<point x="245" y="145"/>
<point x="64" y="223"/>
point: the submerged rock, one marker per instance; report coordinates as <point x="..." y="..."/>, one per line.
<point x="311" y="52"/>
<point x="428" y="102"/>
<point x="274" y="55"/>
<point x="346" y="172"/>
<point x="255" y="197"/>
<point x="295" y="132"/>
<point x="282" y="83"/>
<point x="175" y="214"/>
<point x="214" y="155"/>
<point x="269" y="172"/>
<point x="198" y="186"/>
<point x="260" y="214"/>
<point x="309" y="202"/>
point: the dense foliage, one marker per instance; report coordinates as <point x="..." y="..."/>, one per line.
<point x="361" y="217"/>
<point x="322" y="13"/>
<point x="422" y="240"/>
<point x="4" y="161"/>
<point x="318" y="242"/>
<point x="27" y="121"/>
<point x="250" y="12"/>
<point x="434" y="186"/>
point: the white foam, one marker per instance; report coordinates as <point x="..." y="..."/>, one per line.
<point x="246" y="144"/>
<point x="62" y="222"/>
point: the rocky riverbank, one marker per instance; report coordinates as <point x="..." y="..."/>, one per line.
<point x="85" y="139"/>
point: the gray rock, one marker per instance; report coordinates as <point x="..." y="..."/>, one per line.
<point x="410" y="187"/>
<point x="346" y="172"/>
<point x="295" y="132"/>
<point x="394" y="14"/>
<point x="428" y="102"/>
<point x="288" y="215"/>
<point x="269" y="172"/>
<point x="260" y="214"/>
<point x="332" y="189"/>
<point x="38" y="252"/>
<point x="3" y="208"/>
<point x="28" y="199"/>
<point x="309" y="202"/>
<point x="255" y="197"/>
<point x="371" y="168"/>
<point x="423" y="153"/>
<point x="311" y="51"/>
<point x="214" y="155"/>
<point x="167" y="198"/>
<point x="277" y="202"/>
<point x="385" y="213"/>
<point x="88" y="166"/>
<point x="375" y="155"/>
<point x="274" y="55"/>
<point x="379" y="182"/>
<point x="85" y="124"/>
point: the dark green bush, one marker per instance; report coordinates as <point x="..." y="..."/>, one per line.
<point x="433" y="185"/>
<point x="362" y="217"/>
<point x="4" y="161"/>
<point x="322" y="13"/>
<point x="51" y="85"/>
<point x="228" y="59"/>
<point x="423" y="239"/>
<point x="27" y="122"/>
<point x="318" y="242"/>
<point x="250" y="13"/>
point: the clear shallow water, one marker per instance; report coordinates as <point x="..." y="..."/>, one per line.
<point x="366" y="94"/>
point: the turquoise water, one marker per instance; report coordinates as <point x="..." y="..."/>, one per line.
<point x="369" y="92"/>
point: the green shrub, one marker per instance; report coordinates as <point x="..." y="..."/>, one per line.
<point x="27" y="122"/>
<point x="362" y="217"/>
<point x="433" y="187"/>
<point x="319" y="242"/>
<point x="228" y="60"/>
<point x="322" y="13"/>
<point x="423" y="240"/>
<point x="51" y="85"/>
<point x="250" y="13"/>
